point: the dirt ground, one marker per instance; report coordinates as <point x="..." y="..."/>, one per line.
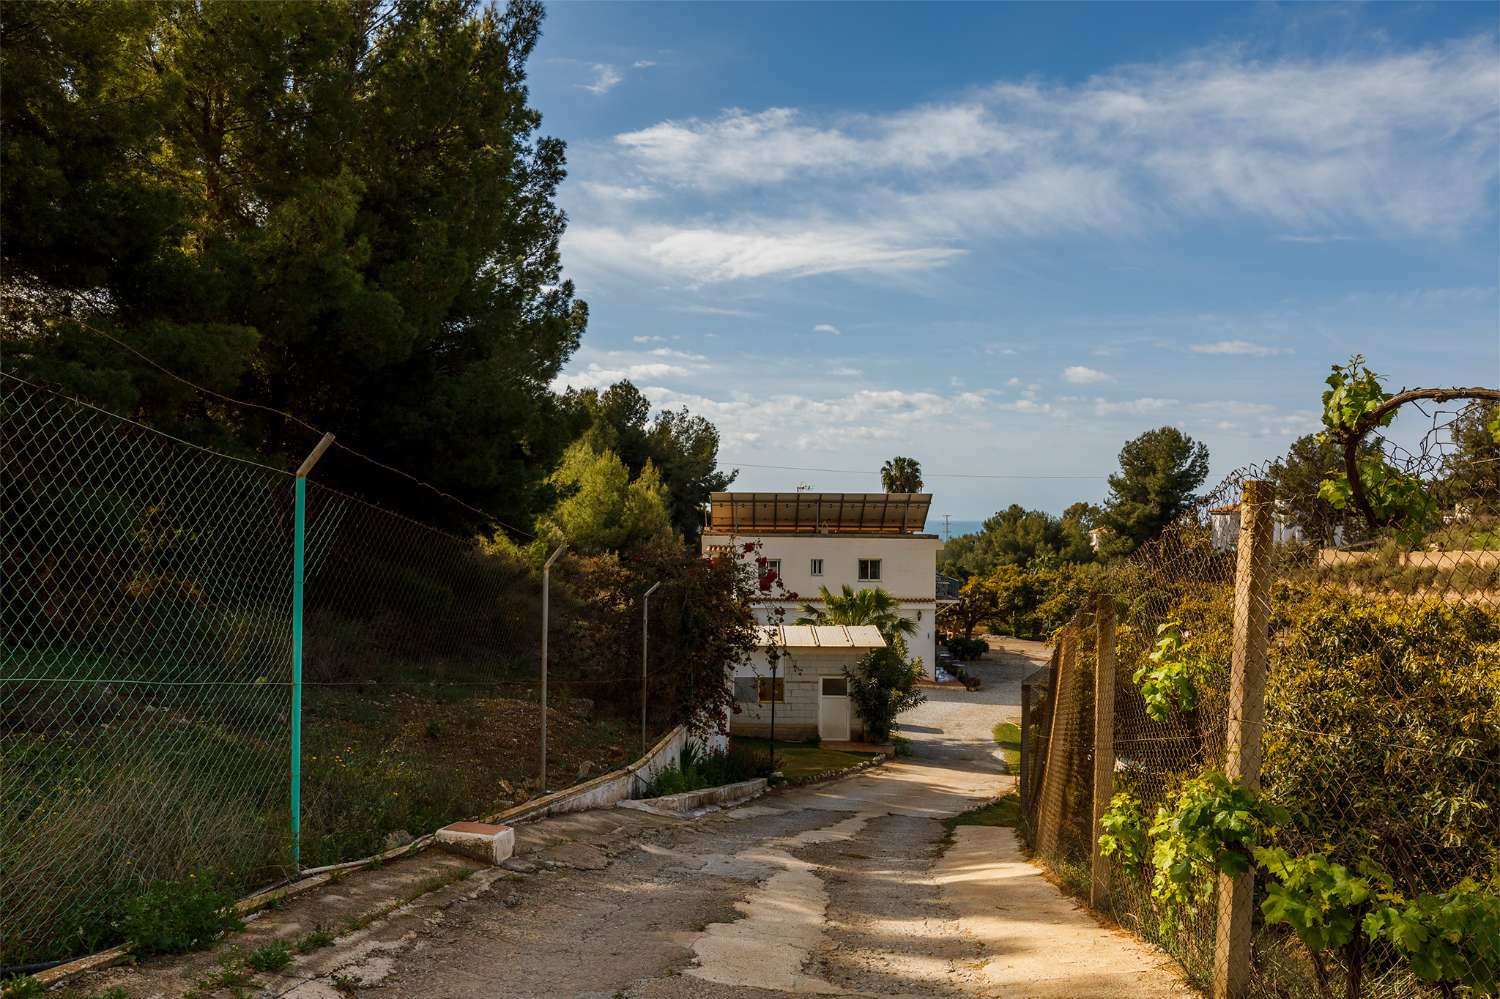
<point x="847" y="888"/>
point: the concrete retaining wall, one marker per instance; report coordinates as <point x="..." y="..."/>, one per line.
<point x="606" y="790"/>
<point x="691" y="801"/>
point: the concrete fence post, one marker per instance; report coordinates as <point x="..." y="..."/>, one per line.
<point x="1246" y="720"/>
<point x="1104" y="740"/>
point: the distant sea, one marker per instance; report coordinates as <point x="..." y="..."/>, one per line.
<point x="955" y="527"/>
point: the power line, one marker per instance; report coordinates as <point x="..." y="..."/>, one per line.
<point x="284" y="415"/>
<point x="934" y="475"/>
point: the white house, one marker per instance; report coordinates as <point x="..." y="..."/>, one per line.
<point x="810" y="690"/>
<point x="1224" y="528"/>
<point x="864" y="540"/>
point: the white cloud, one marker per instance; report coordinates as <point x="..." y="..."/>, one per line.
<point x="1079" y="375"/>
<point x="702" y="254"/>
<point x="642" y="64"/>
<point x="714" y="310"/>
<point x="649" y="339"/>
<point x="1133" y="407"/>
<point x="619" y="192"/>
<point x="827" y="328"/>
<point x="846" y="372"/>
<point x="606" y="78"/>
<point x="1242" y="347"/>
<point x="1394" y="144"/>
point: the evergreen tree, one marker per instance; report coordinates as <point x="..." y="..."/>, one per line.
<point x="1159" y="472"/>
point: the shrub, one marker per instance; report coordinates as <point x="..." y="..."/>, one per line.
<point x="1381" y="732"/>
<point x="967" y="649"/>
<point x="171" y="917"/>
<point x="882" y="686"/>
<point x="696" y="769"/>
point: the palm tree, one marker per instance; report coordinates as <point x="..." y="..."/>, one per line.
<point x="901" y="475"/>
<point x="873" y="606"/>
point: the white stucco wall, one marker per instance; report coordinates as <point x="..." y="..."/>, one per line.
<point x="800" y="670"/>
<point x="908" y="572"/>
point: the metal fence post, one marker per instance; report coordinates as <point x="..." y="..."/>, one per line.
<point x="299" y="547"/>
<point x="645" y="630"/>
<point x="546" y="594"/>
<point x="1247" y="708"/>
<point x="1104" y="740"/>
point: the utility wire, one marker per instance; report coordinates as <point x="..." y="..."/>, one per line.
<point x="284" y="415"/>
<point x="925" y="474"/>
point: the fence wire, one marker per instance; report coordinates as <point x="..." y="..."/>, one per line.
<point x="145" y="693"/>
<point x="1382" y="718"/>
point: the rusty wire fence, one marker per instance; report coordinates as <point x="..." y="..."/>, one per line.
<point x="146" y="688"/>
<point x="1380" y="737"/>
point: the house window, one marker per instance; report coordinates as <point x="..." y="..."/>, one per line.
<point x="773" y="568"/>
<point x="772" y="689"/>
<point x="746" y="691"/>
<point x="817" y="567"/>
<point x="835" y="686"/>
<point x="869" y="568"/>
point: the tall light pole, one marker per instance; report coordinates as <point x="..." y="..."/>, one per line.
<point x="645" y="634"/>
<point x="546" y="592"/>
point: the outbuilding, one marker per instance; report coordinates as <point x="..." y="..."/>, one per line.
<point x="810" y="689"/>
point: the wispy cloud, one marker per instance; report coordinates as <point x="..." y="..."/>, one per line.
<point x="643" y="64"/>
<point x="649" y="339"/>
<point x="1079" y="375"/>
<point x="606" y="78"/>
<point x="827" y="328"/>
<point x="1397" y="144"/>
<point x="1241" y="347"/>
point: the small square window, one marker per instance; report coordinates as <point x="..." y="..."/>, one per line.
<point x="746" y="690"/>
<point x="773" y="567"/>
<point x="817" y="567"/>
<point x="772" y="689"/>
<point x="869" y="568"/>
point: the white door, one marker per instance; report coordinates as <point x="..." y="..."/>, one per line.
<point x="833" y="709"/>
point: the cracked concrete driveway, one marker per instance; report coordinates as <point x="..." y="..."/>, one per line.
<point x="849" y="888"/>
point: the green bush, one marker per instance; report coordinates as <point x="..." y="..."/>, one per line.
<point x="696" y="769"/>
<point x="1382" y="728"/>
<point x="883" y="685"/>
<point x="967" y="649"/>
<point x="171" y="917"/>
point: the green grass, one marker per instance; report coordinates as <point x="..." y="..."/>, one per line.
<point x="270" y="958"/>
<point x="1008" y="735"/>
<point x="1005" y="812"/>
<point x="799" y="761"/>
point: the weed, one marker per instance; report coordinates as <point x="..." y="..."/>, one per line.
<point x="22" y="987"/>
<point x="171" y="917"/>
<point x="318" y="937"/>
<point x="1004" y="812"/>
<point x="232" y="974"/>
<point x="434" y="728"/>
<point x="270" y="958"/>
<point x="900" y="745"/>
<point x="344" y="983"/>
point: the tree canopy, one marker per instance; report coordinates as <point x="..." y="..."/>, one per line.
<point x="344" y="211"/>
<point x="871" y="605"/>
<point x="901" y="475"/>
<point x="1159" y="472"/>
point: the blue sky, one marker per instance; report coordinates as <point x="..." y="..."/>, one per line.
<point x="1005" y="239"/>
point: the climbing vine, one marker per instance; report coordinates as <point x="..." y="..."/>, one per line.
<point x="1169" y="682"/>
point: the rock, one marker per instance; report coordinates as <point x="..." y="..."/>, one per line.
<point x="506" y="788"/>
<point x="519" y="866"/>
<point x="584" y="769"/>
<point x="399" y="837"/>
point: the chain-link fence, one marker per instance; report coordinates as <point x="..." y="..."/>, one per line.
<point x="146" y="691"/>
<point x="1377" y="757"/>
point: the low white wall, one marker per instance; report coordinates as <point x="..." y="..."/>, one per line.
<point x="609" y="789"/>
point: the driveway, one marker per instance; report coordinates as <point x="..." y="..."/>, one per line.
<point x="849" y="888"/>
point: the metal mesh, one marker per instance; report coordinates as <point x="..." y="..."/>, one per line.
<point x="1382" y="713"/>
<point x="146" y="689"/>
<point x="144" y="693"/>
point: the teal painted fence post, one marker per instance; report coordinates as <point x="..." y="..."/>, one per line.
<point x="299" y="551"/>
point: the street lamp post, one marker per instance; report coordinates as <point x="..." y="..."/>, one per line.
<point x="645" y="636"/>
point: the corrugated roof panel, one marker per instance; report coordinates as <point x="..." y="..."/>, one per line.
<point x="838" y="513"/>
<point x="865" y="636"/>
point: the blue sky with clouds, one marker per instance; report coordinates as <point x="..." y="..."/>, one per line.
<point x="1005" y="239"/>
